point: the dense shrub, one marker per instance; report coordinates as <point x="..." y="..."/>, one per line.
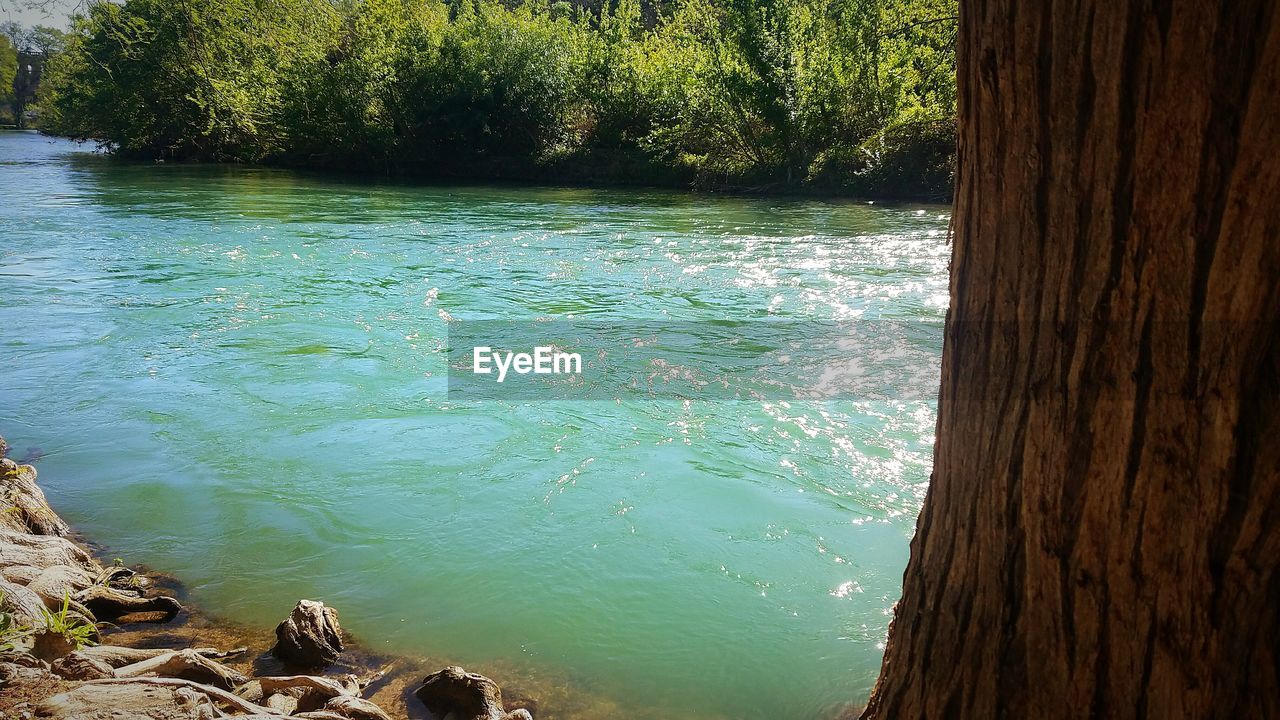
<point x="494" y="89"/>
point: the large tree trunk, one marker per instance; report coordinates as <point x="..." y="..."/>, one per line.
<point x="1102" y="533"/>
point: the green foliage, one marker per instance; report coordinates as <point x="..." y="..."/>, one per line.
<point x="771" y="83"/>
<point x="491" y="87"/>
<point x="193" y="79"/>
<point x="47" y="41"/>
<point x="8" y="68"/>
<point x="850" y="95"/>
<point x="23" y="53"/>
<point x="40" y="39"/>
<point x="335" y="97"/>
<point x="68" y="626"/>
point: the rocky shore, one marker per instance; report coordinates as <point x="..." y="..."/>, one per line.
<point x="83" y="640"/>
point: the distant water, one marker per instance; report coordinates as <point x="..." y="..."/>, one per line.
<point x="235" y="376"/>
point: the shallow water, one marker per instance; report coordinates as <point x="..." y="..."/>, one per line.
<point x="236" y="376"/>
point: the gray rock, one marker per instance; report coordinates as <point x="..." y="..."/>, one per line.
<point x="20" y="574"/>
<point x="24" y="604"/>
<point x="23" y="659"/>
<point x="310" y="637"/>
<point x="282" y="703"/>
<point x="465" y="696"/>
<point x="79" y="666"/>
<point x="356" y="708"/>
<point x="21" y="548"/>
<point x="61" y="582"/>
<point x="17" y="674"/>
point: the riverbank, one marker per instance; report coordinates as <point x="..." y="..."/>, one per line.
<point x="633" y="173"/>
<point x="922" y="174"/>
<point x="81" y="638"/>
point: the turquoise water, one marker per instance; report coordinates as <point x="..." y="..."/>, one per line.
<point x="235" y="375"/>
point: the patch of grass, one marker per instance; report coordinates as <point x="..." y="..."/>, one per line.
<point x="70" y="627"/>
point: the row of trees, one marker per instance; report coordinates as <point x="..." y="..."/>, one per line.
<point x="856" y="95"/>
<point x="23" y="52"/>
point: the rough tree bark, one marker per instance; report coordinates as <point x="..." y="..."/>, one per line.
<point x="1102" y="532"/>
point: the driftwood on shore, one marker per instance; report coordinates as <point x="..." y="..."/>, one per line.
<point x="121" y="656"/>
<point x="53" y="592"/>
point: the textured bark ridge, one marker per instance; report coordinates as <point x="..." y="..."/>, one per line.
<point x="30" y="511"/>
<point x="1102" y="532"/>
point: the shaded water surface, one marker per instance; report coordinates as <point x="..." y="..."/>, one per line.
<point x="235" y="375"/>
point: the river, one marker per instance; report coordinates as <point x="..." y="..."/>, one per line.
<point x="235" y="375"/>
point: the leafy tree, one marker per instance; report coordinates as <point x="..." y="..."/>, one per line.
<point x="337" y="104"/>
<point x="8" y="69"/>
<point x="185" y="79"/>
<point x="18" y="36"/>
<point x="493" y="88"/>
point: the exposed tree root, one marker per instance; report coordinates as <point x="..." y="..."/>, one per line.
<point x="107" y="602"/>
<point x="219" y="695"/>
<point x="185" y="664"/>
